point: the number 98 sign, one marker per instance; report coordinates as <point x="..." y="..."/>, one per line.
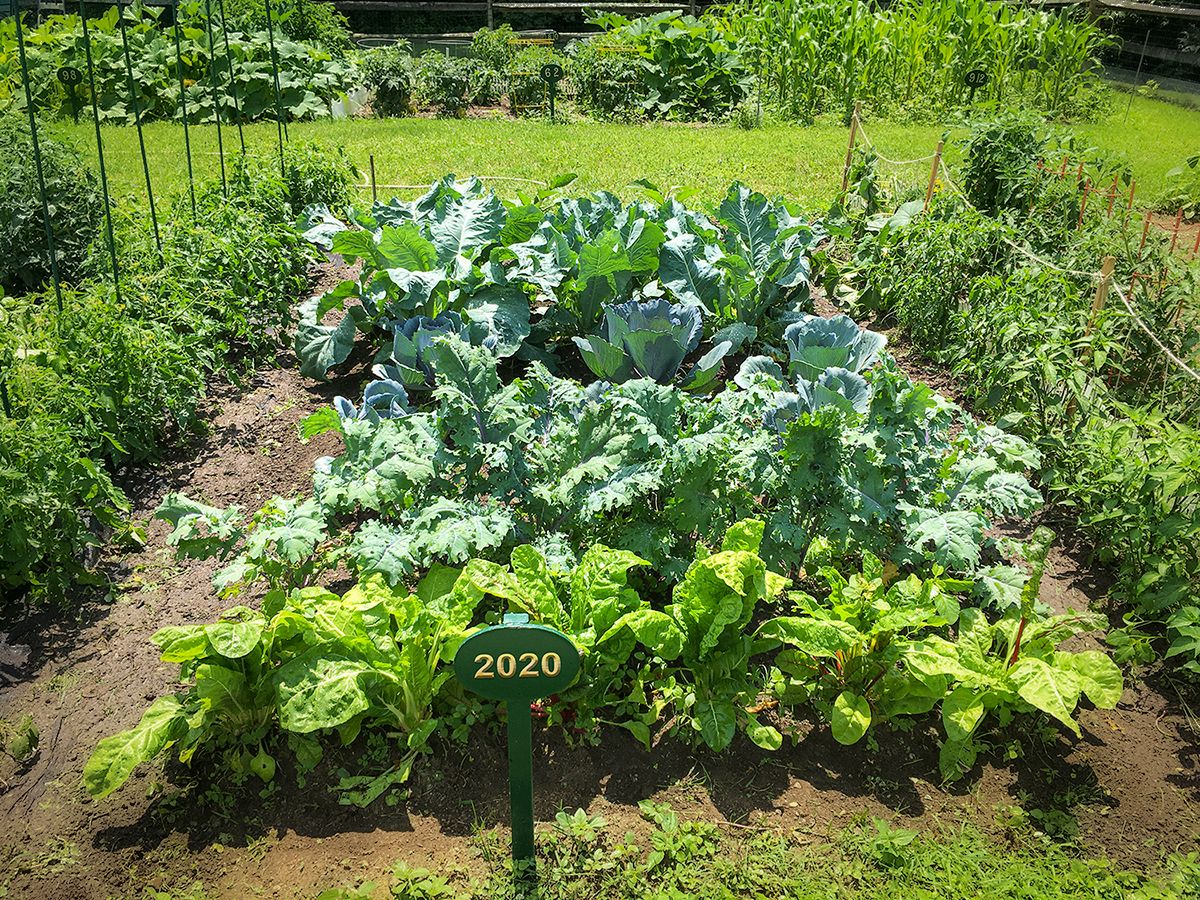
<point x="516" y="661"/>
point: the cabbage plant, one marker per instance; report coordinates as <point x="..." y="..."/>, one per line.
<point x="409" y="361"/>
<point x="650" y="339"/>
<point x="815" y="344"/>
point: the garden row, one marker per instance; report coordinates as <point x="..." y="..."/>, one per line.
<point x="1000" y="285"/>
<point x="793" y="61"/>
<point x="742" y="514"/>
<point x="99" y="384"/>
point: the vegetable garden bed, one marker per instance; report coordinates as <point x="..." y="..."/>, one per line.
<point x="726" y="539"/>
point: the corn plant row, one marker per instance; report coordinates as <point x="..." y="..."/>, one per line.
<point x="823" y="56"/>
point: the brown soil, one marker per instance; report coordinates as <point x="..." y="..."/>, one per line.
<point x="1131" y="780"/>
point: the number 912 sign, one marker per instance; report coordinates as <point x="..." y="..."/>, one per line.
<point x="516" y="661"/>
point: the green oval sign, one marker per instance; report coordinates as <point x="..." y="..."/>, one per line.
<point x="516" y="661"/>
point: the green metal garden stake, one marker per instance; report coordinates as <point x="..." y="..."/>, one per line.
<point x="137" y="120"/>
<point x="212" y="77"/>
<point x="237" y="103"/>
<point x="187" y="140"/>
<point x="108" y="225"/>
<point x="41" y="177"/>
<point x="280" y="123"/>
<point x="518" y="662"/>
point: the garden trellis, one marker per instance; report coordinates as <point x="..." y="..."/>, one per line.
<point x="102" y="85"/>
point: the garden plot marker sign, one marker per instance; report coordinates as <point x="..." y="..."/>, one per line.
<point x="975" y="79"/>
<point x="518" y="662"/>
<point x="552" y="74"/>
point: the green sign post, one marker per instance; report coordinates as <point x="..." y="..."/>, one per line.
<point x="518" y="662"/>
<point x="552" y="74"/>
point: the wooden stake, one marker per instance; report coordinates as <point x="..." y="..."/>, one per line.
<point x="1145" y="231"/>
<point x="1106" y="270"/>
<point x="1087" y="188"/>
<point x="1063" y="171"/>
<point x="1175" y="230"/>
<point x="1196" y="246"/>
<point x="937" y="160"/>
<point x="1129" y="207"/>
<point x="850" y="147"/>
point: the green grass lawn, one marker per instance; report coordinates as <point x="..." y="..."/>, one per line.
<point x="802" y="162"/>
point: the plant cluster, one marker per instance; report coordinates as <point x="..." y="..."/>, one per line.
<point x="654" y="519"/>
<point x="1114" y="418"/>
<point x="796" y="60"/>
<point x="304" y="21"/>
<point x="669" y="66"/>
<point x="522" y="280"/>
<point x="698" y="663"/>
<point x="73" y="198"/>
<point x="309" y="77"/>
<point x="104" y="384"/>
<point x="813" y="58"/>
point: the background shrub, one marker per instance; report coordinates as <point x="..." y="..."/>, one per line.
<point x="390" y="73"/>
<point x="75" y="207"/>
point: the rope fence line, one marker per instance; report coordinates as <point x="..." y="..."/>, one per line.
<point x="1118" y="289"/>
<point x="871" y="145"/>
<point x="1154" y="337"/>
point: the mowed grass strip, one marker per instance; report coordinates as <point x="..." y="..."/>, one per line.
<point x="803" y="162"/>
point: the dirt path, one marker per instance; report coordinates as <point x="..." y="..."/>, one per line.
<point x="1130" y="783"/>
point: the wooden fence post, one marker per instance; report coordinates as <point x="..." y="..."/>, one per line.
<point x="850" y="146"/>
<point x="933" y="171"/>
<point x="1102" y="288"/>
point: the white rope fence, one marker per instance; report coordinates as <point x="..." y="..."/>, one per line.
<point x="892" y="162"/>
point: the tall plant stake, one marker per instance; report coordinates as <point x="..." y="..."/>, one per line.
<point x="187" y="140"/>
<point x="137" y="120"/>
<point x="41" y="177"/>
<point x="237" y="103"/>
<point x="108" y="225"/>
<point x="212" y="77"/>
<point x="280" y="124"/>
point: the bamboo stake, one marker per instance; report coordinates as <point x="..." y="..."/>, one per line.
<point x="850" y="146"/>
<point x="1196" y="246"/>
<point x="1129" y="207"/>
<point x="937" y="161"/>
<point x="1106" y="271"/>
<point x="1112" y="197"/>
